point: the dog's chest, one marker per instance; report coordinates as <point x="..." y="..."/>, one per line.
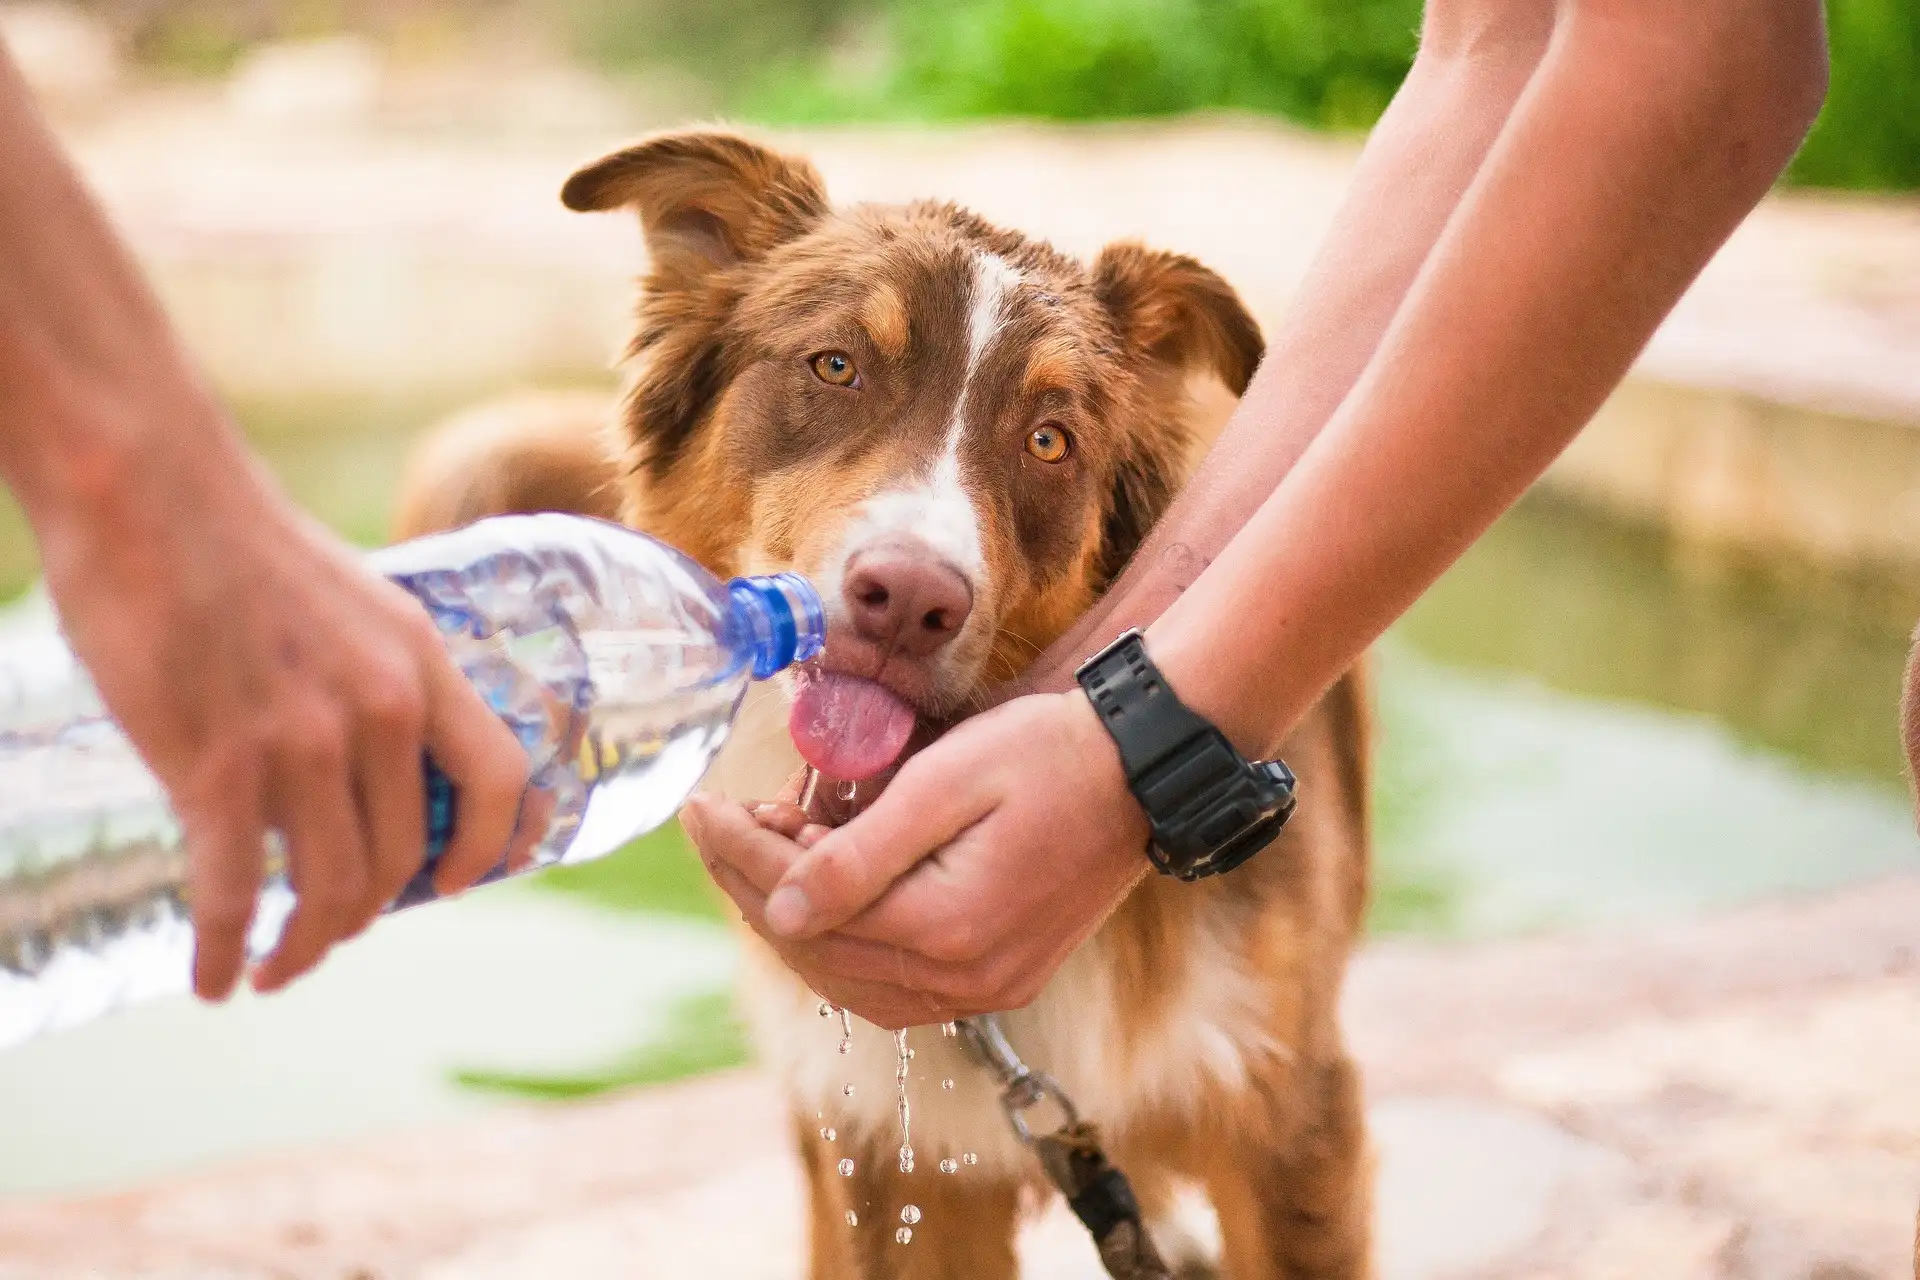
<point x="1087" y="1029"/>
<point x="1077" y="1031"/>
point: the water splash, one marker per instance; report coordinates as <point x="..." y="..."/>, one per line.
<point x="845" y="1167"/>
<point x="904" y="1235"/>
<point x="947" y="1085"/>
<point x="910" y="1214"/>
<point x="949" y="1165"/>
<point x="969" y="1158"/>
<point x="949" y="1029"/>
<point x="828" y="1133"/>
<point x="846" y="1035"/>
<point x="905" y="1056"/>
<point x="853" y="1219"/>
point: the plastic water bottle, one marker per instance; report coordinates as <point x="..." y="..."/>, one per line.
<point x="618" y="662"/>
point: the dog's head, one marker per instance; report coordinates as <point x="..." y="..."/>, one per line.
<point x="959" y="434"/>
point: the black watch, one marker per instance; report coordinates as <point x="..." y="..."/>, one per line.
<point x="1209" y="807"/>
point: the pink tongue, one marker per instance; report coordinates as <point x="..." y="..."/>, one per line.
<point x="849" y="728"/>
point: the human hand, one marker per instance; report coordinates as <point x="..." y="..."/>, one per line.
<point x="993" y="854"/>
<point x="270" y="680"/>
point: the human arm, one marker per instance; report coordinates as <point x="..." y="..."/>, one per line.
<point x="267" y="678"/>
<point x="1640" y="140"/>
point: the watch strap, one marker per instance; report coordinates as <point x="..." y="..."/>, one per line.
<point x="1209" y="808"/>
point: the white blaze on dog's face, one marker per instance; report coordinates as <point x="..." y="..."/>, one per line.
<point x="956" y="432"/>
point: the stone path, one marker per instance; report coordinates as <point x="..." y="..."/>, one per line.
<point x="1728" y="1099"/>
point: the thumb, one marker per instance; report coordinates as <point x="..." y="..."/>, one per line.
<point x="848" y="869"/>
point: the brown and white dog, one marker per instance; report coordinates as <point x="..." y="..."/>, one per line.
<point x="961" y="435"/>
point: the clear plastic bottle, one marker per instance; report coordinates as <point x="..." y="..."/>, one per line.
<point x="618" y="662"/>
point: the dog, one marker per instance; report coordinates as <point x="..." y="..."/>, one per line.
<point x="961" y="435"/>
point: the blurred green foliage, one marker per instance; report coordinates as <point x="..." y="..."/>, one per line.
<point x="1325" y="63"/>
<point x="1328" y="63"/>
<point x="1868" y="136"/>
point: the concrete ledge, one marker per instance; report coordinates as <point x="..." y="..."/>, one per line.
<point x="1730" y="469"/>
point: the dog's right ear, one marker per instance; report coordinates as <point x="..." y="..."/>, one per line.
<point x="706" y="199"/>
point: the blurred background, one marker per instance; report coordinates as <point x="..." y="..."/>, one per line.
<point x="1665" y="685"/>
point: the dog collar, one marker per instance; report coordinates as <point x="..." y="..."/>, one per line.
<point x="1209" y="807"/>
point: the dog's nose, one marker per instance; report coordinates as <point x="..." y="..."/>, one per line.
<point x="906" y="597"/>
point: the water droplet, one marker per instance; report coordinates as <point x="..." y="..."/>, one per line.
<point x="906" y="1159"/>
<point x="904" y="1235"/>
<point x="911" y="1053"/>
<point x="846" y="1168"/>
<point x="853" y="1219"/>
<point x="828" y="1133"/>
<point x="848" y="790"/>
<point x="947" y="1085"/>
<point x="826" y="1010"/>
<point x="910" y="1214"/>
<point x="846" y="1045"/>
<point x="949" y="1029"/>
<point x="949" y="1165"/>
<point x="969" y="1158"/>
<point x="847" y="1089"/>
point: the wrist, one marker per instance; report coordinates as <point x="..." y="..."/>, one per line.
<point x="1096" y="752"/>
<point x="1207" y="677"/>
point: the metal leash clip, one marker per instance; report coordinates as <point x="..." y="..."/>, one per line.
<point x="1021" y="1087"/>
<point x="1071" y="1156"/>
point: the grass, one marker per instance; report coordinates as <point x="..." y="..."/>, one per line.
<point x="702" y="1034"/>
<point x="658" y="872"/>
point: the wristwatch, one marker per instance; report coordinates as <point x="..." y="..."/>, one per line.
<point x="1209" y="807"/>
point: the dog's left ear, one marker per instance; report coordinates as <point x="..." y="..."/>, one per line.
<point x="1175" y="314"/>
<point x="706" y="198"/>
<point x="1174" y="318"/>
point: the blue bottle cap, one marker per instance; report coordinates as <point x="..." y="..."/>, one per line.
<point x="781" y="620"/>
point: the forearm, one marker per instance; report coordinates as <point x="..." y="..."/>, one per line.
<point x="82" y="339"/>
<point x="1639" y="145"/>
<point x="1474" y="61"/>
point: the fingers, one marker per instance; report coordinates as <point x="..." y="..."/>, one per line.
<point x="536" y="815"/>
<point x="885" y="1004"/>
<point x="488" y="768"/>
<point x="788" y="819"/>
<point x="391" y="787"/>
<point x="327" y="860"/>
<point x="725" y="833"/>
<point x="846" y="870"/>
<point x="225" y="849"/>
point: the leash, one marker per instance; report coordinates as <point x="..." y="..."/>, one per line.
<point x="1097" y="1192"/>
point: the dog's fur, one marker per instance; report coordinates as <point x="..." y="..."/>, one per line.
<point x="1198" y="1026"/>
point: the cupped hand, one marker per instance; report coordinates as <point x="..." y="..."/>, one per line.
<point x="992" y="854"/>
<point x="271" y="681"/>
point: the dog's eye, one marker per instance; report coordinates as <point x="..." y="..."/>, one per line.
<point x="1048" y="443"/>
<point x="836" y="369"/>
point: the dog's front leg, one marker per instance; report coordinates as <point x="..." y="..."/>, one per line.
<point x="965" y="1228"/>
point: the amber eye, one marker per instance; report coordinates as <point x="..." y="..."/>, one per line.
<point x="836" y="369"/>
<point x="1048" y="443"/>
